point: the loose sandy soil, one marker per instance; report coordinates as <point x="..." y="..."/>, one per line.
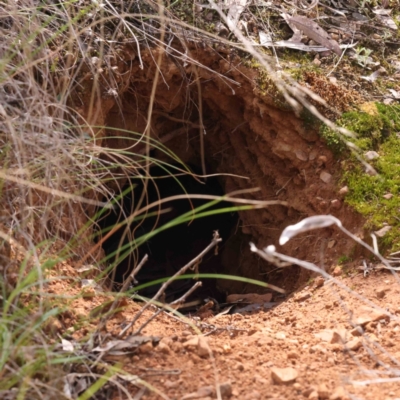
<point x="313" y="333"/>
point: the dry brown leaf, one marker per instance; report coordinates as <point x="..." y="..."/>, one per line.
<point x="236" y="7"/>
<point x="315" y="32"/>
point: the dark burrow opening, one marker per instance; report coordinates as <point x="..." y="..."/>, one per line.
<point x="173" y="246"/>
<point x="246" y="137"/>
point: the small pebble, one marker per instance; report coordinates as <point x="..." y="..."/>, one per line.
<point x="325" y="176"/>
<point x="284" y="375"/>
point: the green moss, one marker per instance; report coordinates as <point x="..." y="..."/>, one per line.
<point x="266" y="86"/>
<point x="293" y="63"/>
<point x="310" y="121"/>
<point x="390" y="116"/>
<point x="364" y="143"/>
<point x="333" y="140"/>
<point x="344" y="259"/>
<point x="364" y="125"/>
<point x="376" y="131"/>
<point x="372" y="127"/>
<point x="299" y="65"/>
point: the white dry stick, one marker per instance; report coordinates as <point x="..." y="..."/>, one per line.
<point x="270" y="253"/>
<point x="323" y="221"/>
<point x="315" y="222"/>
<point x="307" y="224"/>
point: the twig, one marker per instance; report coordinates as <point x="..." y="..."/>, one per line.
<point x="283" y="187"/>
<point x="338" y="62"/>
<point x="6" y="175"/>
<point x="202" y="130"/>
<point x="164" y="139"/>
<point x="371" y="381"/>
<point x="141" y="393"/>
<point x="176" y="302"/>
<point x="216" y="239"/>
<point x="125" y="286"/>
<point x="133" y="274"/>
<point x="131" y="218"/>
<point x="270" y="251"/>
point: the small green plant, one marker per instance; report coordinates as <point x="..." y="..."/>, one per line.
<point x="362" y="56"/>
<point x="343" y="259"/>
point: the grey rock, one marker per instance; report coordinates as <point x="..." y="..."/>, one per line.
<point x="371" y="155"/>
<point x="383" y="231"/>
<point x="301" y="155"/>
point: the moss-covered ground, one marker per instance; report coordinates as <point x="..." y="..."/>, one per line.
<point x="376" y="196"/>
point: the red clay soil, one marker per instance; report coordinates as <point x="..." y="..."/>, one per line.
<point x="322" y="343"/>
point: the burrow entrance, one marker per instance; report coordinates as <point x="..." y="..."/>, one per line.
<point x="250" y="141"/>
<point x="171" y="232"/>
